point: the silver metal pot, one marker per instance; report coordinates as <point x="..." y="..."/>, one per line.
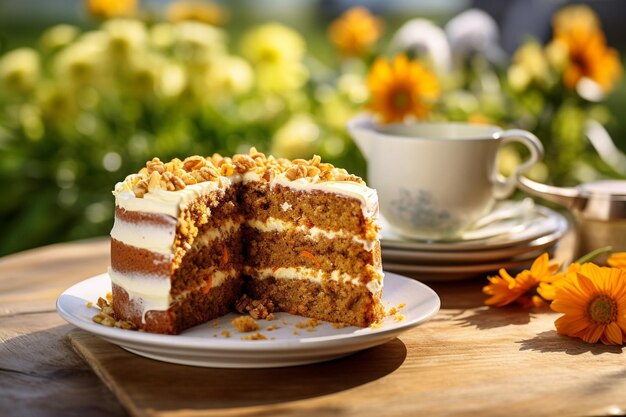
<point x="598" y="207"/>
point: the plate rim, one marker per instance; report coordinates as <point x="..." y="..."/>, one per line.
<point x="481" y="244"/>
<point x="120" y="336"/>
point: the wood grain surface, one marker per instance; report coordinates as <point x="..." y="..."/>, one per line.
<point x="468" y="360"/>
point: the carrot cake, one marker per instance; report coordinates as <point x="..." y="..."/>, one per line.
<point x="191" y="237"/>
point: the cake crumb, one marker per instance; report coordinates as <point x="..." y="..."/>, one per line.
<point x="309" y="324"/>
<point x="270" y="317"/>
<point x="376" y="325"/>
<point x="258" y="309"/>
<point x="284" y="322"/>
<point x="215" y="324"/>
<point x="214" y="334"/>
<point x="245" y="324"/>
<point x="109" y="297"/>
<point x="89" y="304"/>
<point x="225" y="333"/>
<point x="295" y="332"/>
<point x="106" y="316"/>
<point x="255" y="336"/>
<point x="394" y="310"/>
<point x="272" y="327"/>
<point x="398" y="317"/>
<point x="340" y="325"/>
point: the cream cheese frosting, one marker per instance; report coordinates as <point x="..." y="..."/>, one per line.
<point x="273" y="224"/>
<point x="155" y="238"/>
<point x="315" y="275"/>
<point x="153" y="291"/>
<point x="159" y="201"/>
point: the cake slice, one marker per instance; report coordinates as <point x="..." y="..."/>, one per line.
<point x="190" y="237"/>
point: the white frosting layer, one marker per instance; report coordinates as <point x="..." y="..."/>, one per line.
<point x="315" y="275"/>
<point x="171" y="202"/>
<point x="153" y="291"/>
<point x="273" y="224"/>
<point x="367" y="196"/>
<point x="160" y="201"/>
<point x="211" y="235"/>
<point x="155" y="238"/>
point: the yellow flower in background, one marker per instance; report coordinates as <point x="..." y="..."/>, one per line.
<point x="80" y="63"/>
<point x="197" y="43"/>
<point x="276" y="53"/>
<point x="272" y="43"/>
<point x="233" y="76"/>
<point x="529" y="66"/>
<point x="401" y="89"/>
<point x="593" y="304"/>
<point x="59" y="36"/>
<point x="617" y="260"/>
<point x="577" y="31"/>
<point x="521" y="289"/>
<point x="106" y="9"/>
<point x="355" y="32"/>
<point x="200" y="11"/>
<point x="125" y="37"/>
<point x="20" y="70"/>
<point x="297" y="138"/>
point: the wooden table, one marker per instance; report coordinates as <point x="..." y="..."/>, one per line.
<point x="468" y="360"/>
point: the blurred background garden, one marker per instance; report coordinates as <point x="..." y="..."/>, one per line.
<point x="90" y="90"/>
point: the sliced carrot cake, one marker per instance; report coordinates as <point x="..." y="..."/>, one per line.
<point x="191" y="237"/>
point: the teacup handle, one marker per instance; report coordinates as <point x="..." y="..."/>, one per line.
<point x="504" y="187"/>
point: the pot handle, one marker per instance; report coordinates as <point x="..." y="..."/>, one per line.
<point x="568" y="197"/>
<point x="504" y="187"/>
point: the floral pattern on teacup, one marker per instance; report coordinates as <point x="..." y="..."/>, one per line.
<point x="420" y="211"/>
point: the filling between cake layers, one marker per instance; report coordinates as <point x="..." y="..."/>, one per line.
<point x="311" y="248"/>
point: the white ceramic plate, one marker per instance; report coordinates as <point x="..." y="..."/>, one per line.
<point x="544" y="222"/>
<point x="199" y="347"/>
<point x="530" y="251"/>
<point x="435" y="273"/>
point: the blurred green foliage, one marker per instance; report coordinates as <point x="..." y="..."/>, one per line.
<point x="83" y="108"/>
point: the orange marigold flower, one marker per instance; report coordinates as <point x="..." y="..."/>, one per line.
<point x="578" y="31"/>
<point x="547" y="289"/>
<point x="355" y="32"/>
<point x="593" y="303"/>
<point x="200" y="11"/>
<point x="401" y="89"/>
<point x="576" y="17"/>
<point x="504" y="289"/>
<point x="617" y="260"/>
<point x="112" y="8"/>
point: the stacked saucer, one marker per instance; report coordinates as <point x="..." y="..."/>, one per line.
<point x="510" y="237"/>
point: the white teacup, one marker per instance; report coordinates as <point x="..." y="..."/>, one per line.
<point x="435" y="179"/>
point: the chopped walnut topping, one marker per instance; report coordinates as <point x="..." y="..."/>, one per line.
<point x="176" y="174"/>
<point x="296" y="172"/>
<point x="193" y="163"/>
<point x="243" y="163"/>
